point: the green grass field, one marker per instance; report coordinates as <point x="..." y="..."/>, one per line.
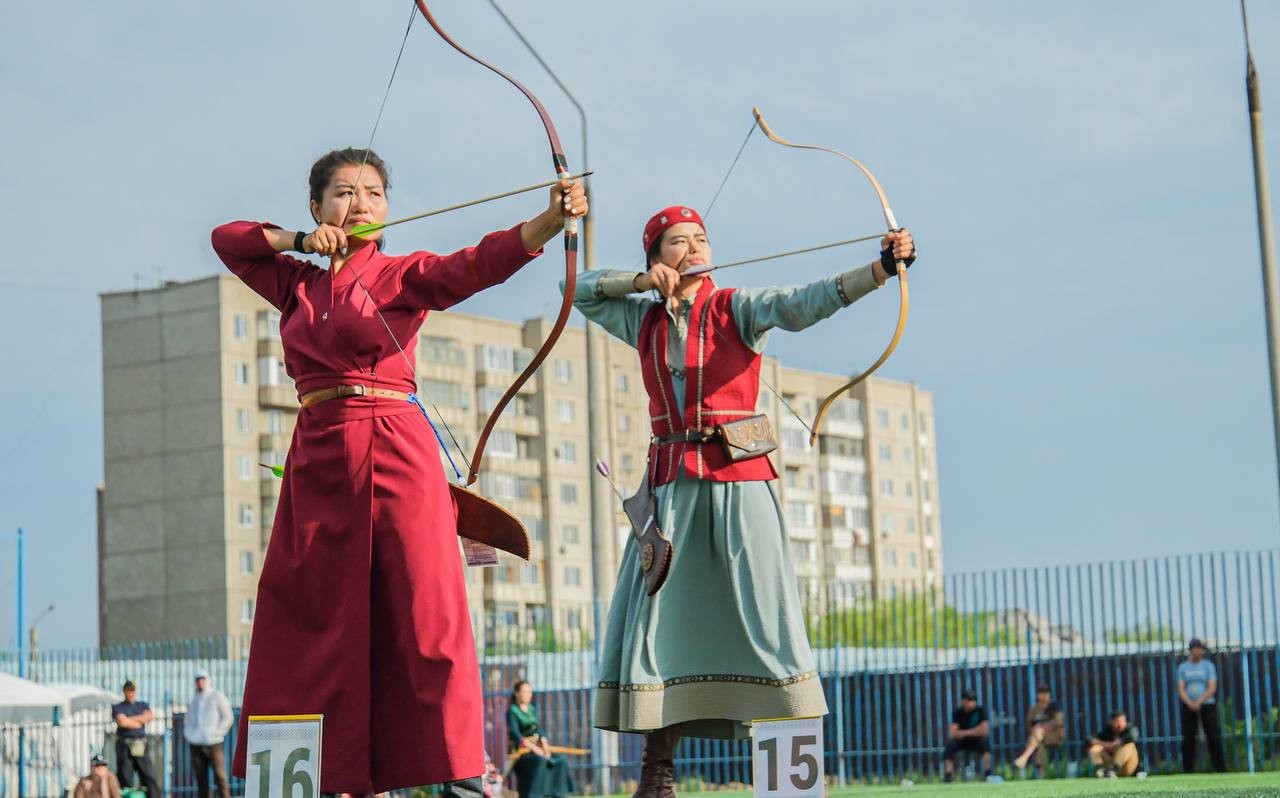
<point x="1198" y="786"/>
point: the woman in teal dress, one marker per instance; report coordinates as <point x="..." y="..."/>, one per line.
<point x="723" y="641"/>
<point x="538" y="771"/>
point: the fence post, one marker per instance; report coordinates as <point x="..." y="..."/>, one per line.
<point x="1248" y="708"/>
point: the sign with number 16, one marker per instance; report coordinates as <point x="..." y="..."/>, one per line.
<point x="284" y="756"/>
<point x="787" y="760"/>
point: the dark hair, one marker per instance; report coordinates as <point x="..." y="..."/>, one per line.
<point x="515" y="689"/>
<point x="129" y="685"/>
<point x="1117" y="713"/>
<point x="1042" y="688"/>
<point x="654" y="250"/>
<point x="323" y="169"/>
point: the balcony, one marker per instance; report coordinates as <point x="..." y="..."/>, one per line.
<point x="444" y="372"/>
<point x="519" y="466"/>
<point x="281" y="396"/>
<point x="528" y="426"/>
<point x="845" y="429"/>
<point x="270" y="347"/>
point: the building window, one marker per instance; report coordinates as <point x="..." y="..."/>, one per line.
<point x="246" y="515"/>
<point x="271" y="322"/>
<point x="246" y="610"/>
<point x="244" y="466"/>
<point x="911" y="559"/>
<point x="441" y="350"/>
<point x="531" y="573"/>
<point x="275" y="422"/>
<point x="886" y="524"/>
<point x="568" y="493"/>
<point x="624" y="382"/>
<point x="564" y="371"/>
<point x="573" y="619"/>
<point x="911" y="524"/>
<point x="886" y="487"/>
<point x="908" y="490"/>
<point x="246" y="562"/>
<point x="271" y="371"/>
<point x="503" y="443"/>
<point x="567" y="452"/>
<point x="447" y="393"/>
<point x="886" y="453"/>
<point x="925" y="493"/>
<point x="571" y="534"/>
<point x="891" y="557"/>
<point x="801" y="514"/>
<point x="906" y="454"/>
<point x="241" y="325"/>
<point x="882" y="419"/>
<point x="498" y="359"/>
<point x="242" y="374"/>
<point x="924" y="423"/>
<point x="624" y="423"/>
<point x="628" y="462"/>
<point x="564" y="411"/>
<point x="905" y="421"/>
<point x="244" y="422"/>
<point x="794" y="439"/>
<point x="572" y="576"/>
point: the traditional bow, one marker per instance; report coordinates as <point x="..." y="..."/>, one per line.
<point x="561" y="166"/>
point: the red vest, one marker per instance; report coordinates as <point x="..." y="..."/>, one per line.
<point x="722" y="382"/>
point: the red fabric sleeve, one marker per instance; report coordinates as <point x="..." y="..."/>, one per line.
<point x="434" y="282"/>
<point x="245" y="251"/>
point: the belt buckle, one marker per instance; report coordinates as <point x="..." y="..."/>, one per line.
<point x="360" y="390"/>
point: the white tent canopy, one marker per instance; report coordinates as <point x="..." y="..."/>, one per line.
<point x="23" y="701"/>
<point x="85" y="696"/>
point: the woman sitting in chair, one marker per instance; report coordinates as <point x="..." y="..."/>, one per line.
<point x="538" y="771"/>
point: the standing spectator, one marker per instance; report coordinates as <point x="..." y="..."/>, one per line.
<point x="1197" y="686"/>
<point x="131" y="717"/>
<point x="209" y="718"/>
<point x="1045" y="729"/>
<point x="968" y="732"/>
<point x="100" y="783"/>
<point x="1114" y="750"/>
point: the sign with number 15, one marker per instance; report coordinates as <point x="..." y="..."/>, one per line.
<point x="787" y="758"/>
<point x="284" y="756"/>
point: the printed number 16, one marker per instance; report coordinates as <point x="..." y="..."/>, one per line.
<point x="798" y="759"/>
<point x="292" y="778"/>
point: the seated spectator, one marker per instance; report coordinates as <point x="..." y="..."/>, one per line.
<point x="538" y="771"/>
<point x="968" y="731"/>
<point x="1114" y="750"/>
<point x="100" y="783"/>
<point x="1045" y="729"/>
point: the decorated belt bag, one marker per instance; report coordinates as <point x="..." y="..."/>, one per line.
<point x="654" y="548"/>
<point x="748" y="438"/>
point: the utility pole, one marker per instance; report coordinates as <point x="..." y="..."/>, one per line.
<point x="1266" y="235"/>
<point x="600" y="443"/>
<point x="22" y="608"/>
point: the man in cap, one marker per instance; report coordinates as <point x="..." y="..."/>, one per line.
<point x="969" y="732"/>
<point x="209" y="718"/>
<point x="100" y="783"/>
<point x="1197" y="686"/>
<point x="131" y="717"/>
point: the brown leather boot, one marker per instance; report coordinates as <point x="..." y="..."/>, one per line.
<point x="658" y="768"/>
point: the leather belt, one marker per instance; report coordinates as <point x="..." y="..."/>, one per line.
<point x="340" y="391"/>
<point x="687" y="436"/>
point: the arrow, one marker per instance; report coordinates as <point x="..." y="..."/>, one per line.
<point x="277" y="470"/>
<point x="696" y="270"/>
<point x="364" y="229"/>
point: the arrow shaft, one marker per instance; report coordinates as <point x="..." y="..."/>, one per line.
<point x="705" y="269"/>
<point x="374" y="227"/>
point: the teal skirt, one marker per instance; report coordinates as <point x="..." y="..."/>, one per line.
<point x="723" y="642"/>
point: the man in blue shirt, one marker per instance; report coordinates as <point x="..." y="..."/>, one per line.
<point x="968" y="732"/>
<point x="1197" y="686"/>
<point x="131" y="717"/>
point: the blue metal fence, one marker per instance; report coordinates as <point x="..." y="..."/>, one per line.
<point x="893" y="659"/>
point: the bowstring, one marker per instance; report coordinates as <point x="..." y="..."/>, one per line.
<point x="725" y="179"/>
<point x="413" y="373"/>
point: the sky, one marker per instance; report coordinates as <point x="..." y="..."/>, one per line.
<point x="1086" y="307"/>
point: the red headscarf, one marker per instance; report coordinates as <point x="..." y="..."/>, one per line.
<point x="668" y="217"/>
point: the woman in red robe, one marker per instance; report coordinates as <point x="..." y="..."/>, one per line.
<point x="362" y="610"/>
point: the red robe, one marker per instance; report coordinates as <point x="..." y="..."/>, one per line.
<point x="362" y="609"/>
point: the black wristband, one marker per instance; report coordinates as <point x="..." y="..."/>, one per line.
<point x="298" y="238"/>
<point x="890" y="264"/>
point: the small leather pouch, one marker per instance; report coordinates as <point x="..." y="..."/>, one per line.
<point x="747" y="438"/>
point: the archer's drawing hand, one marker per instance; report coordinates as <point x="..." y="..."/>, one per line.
<point x="660" y="277"/>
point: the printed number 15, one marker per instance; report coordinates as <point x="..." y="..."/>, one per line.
<point x="292" y="778"/>
<point x="799" y="759"/>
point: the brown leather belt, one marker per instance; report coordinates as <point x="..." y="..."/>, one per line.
<point x="687" y="436"/>
<point x="340" y="391"/>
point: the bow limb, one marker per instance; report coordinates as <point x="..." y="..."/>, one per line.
<point x="561" y="165"/>
<point x="903" y="294"/>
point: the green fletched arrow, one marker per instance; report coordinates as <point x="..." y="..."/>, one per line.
<point x="277" y="470"/>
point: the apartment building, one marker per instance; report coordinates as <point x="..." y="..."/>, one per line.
<point x="195" y="396"/>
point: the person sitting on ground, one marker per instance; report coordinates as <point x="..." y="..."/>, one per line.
<point x="969" y="732"/>
<point x="538" y="771"/>
<point x="1114" y="749"/>
<point x="1045" y="729"/>
<point x="100" y="783"/>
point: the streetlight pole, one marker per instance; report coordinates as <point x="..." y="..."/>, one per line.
<point x="599" y="436"/>
<point x="1266" y="235"/>
<point x="22" y="608"/>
